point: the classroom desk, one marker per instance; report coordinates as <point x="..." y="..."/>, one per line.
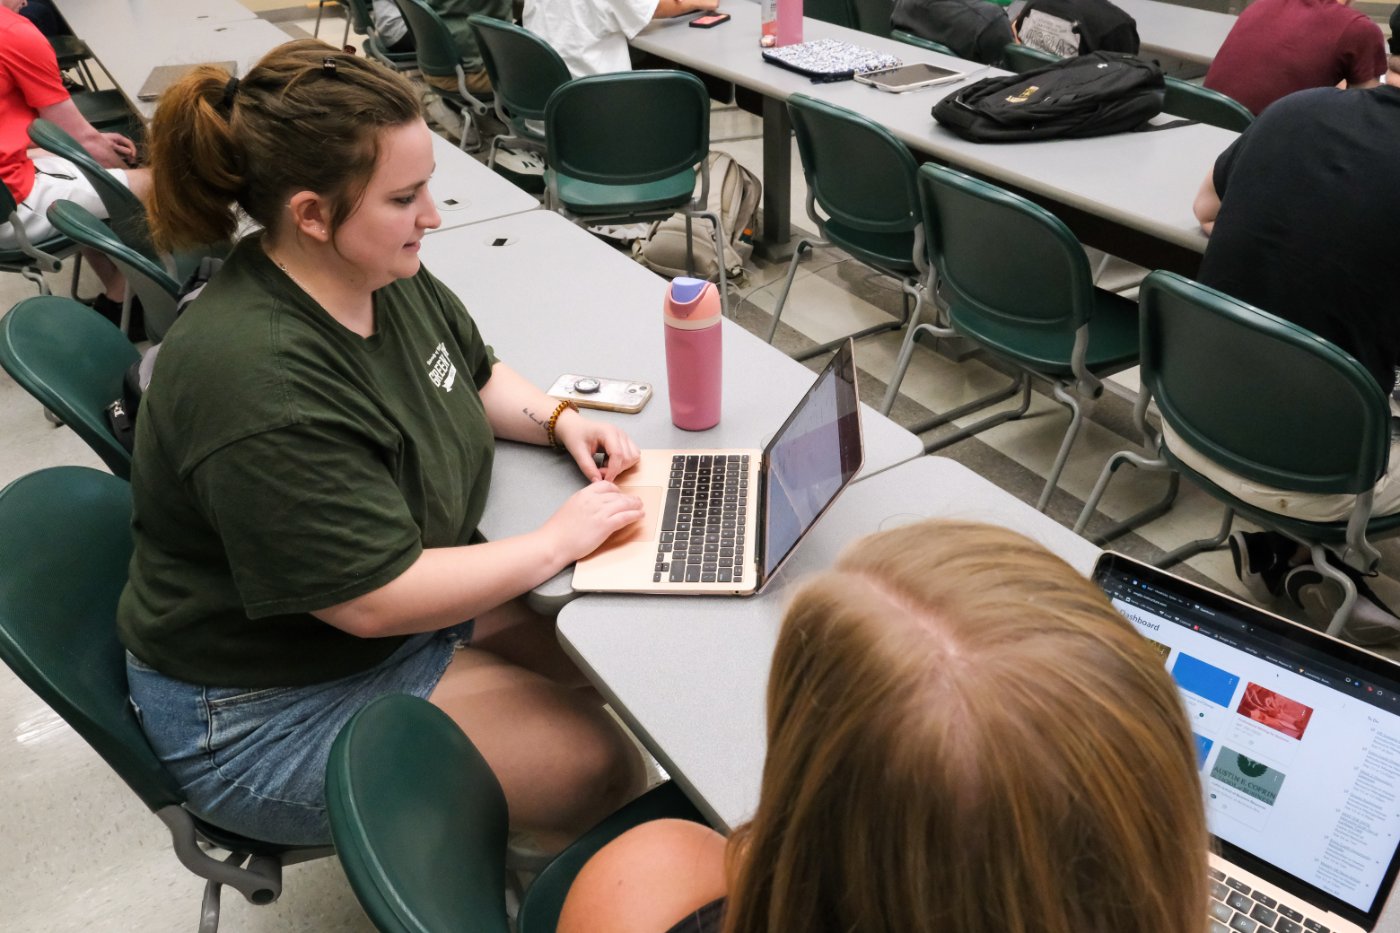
<point x="1129" y="194"/>
<point x="553" y="299"/>
<point x="1179" y="31"/>
<point x="689" y="674"/>
<point x="467" y="192"/>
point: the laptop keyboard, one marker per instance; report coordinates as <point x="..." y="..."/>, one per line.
<point x="1236" y="908"/>
<point x="702" y="528"/>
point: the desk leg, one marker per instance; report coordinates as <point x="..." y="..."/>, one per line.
<point x="776" y="242"/>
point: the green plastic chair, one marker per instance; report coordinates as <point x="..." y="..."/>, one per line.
<point x="524" y="71"/>
<point x="65" y="542"/>
<point x="72" y="360"/>
<point x="1020" y="58"/>
<point x="873" y="16"/>
<point x="31" y="259"/>
<point x="420" y="824"/>
<point x="363" y="20"/>
<point x="108" y="111"/>
<point x="1018" y="285"/>
<point x="1269" y="401"/>
<point x="438" y="56"/>
<point x="147" y="280"/>
<point x="908" y="38"/>
<point x="627" y="147"/>
<point x="1184" y="99"/>
<point x="864" y="181"/>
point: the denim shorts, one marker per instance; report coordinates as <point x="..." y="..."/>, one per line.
<point x="253" y="761"/>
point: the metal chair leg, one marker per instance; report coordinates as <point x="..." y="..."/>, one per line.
<point x="1076" y="420"/>
<point x="1161" y="507"/>
<point x="1324" y="567"/>
<point x="802" y="244"/>
<point x="345" y="38"/>
<point x="713" y="217"/>
<point x="908" y="291"/>
<point x="1022" y="382"/>
<point x="320" y="8"/>
<point x="1192" y="548"/>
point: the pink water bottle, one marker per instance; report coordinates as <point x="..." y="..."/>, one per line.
<point x="693" y="353"/>
<point x="789" y="22"/>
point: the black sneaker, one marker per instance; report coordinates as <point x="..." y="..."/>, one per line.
<point x="1261" y="562"/>
<point x="112" y="311"/>
<point x="1371" y="622"/>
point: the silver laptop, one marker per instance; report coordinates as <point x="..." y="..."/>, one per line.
<point x="163" y="76"/>
<point x="1298" y="742"/>
<point x="724" y="521"/>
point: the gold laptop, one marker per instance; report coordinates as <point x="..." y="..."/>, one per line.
<point x="722" y="522"/>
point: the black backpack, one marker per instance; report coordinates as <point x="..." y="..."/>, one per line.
<point x="1091" y="95"/>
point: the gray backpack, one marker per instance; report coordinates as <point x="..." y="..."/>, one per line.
<point x="736" y="191"/>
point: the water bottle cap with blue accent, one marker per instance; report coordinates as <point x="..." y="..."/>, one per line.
<point x="685" y="290"/>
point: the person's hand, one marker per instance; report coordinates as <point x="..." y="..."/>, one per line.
<point x="123" y="147"/>
<point x="590" y="516"/>
<point x="583" y="437"/>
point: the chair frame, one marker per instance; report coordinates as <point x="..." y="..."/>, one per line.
<point x="471" y="106"/>
<point x="521" y="134"/>
<point x="28" y="259"/>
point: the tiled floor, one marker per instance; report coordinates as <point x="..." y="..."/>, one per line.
<point x="82" y="854"/>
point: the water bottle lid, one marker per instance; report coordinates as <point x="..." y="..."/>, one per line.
<point x="685" y="290"/>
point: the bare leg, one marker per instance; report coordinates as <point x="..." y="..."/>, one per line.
<point x="139" y="181"/>
<point x="561" y="760"/>
<point x="113" y="284"/>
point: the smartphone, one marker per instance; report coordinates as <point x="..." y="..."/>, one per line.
<point x="709" y="20"/>
<point x="599" y="392"/>
<point x="909" y="77"/>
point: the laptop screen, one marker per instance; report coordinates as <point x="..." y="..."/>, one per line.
<point x="1297" y="738"/>
<point x="810" y="460"/>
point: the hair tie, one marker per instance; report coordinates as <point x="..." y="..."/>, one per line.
<point x="230" y="89"/>
<point x="328" y="67"/>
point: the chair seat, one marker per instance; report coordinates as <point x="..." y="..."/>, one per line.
<point x="891" y="251"/>
<point x="586" y="197"/>
<point x="103" y="109"/>
<point x="70" y="50"/>
<point x="1113" y="338"/>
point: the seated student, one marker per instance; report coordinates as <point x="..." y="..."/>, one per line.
<point x="31" y="87"/>
<point x="393" y="32"/>
<point x="1299" y="210"/>
<point x="592" y="36"/>
<point x="313" y="457"/>
<point x="1277" y="47"/>
<point x="454" y="13"/>
<point x="963" y="735"/>
<point x="1074" y="27"/>
<point x="973" y="29"/>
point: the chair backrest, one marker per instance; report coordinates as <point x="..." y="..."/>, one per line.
<point x="125" y="213"/>
<point x="157" y="289"/>
<point x="1018" y="58"/>
<point x="72" y="360"/>
<point x="858" y="172"/>
<point x="419" y="820"/>
<point x="1004" y="259"/>
<point x="1262" y="397"/>
<point x="433" y="44"/>
<point x="524" y="69"/>
<point x="840" y="12"/>
<point x="1184" y="99"/>
<point x="908" y="38"/>
<point x="361" y="19"/>
<point x="873" y="16"/>
<point x="65" y="540"/>
<point x="630" y="127"/>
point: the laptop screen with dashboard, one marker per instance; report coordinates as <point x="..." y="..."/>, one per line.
<point x="1297" y="738"/>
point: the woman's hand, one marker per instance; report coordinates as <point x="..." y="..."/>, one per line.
<point x="589" y="517"/>
<point x="582" y="438"/>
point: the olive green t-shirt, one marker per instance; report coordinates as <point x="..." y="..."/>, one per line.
<point x="284" y="464"/>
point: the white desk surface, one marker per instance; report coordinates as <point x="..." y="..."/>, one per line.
<point x="1143" y="181"/>
<point x="1181" y="31"/>
<point x="689" y="674"/>
<point x="467" y="192"/>
<point x="553" y="300"/>
<point x="147" y="18"/>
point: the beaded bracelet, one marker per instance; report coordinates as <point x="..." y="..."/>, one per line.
<point x="554" y="419"/>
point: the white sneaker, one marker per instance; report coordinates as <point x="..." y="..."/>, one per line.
<point x="1371" y="622"/>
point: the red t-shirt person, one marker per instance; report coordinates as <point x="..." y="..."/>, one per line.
<point x="1280" y="46"/>
<point x="29" y="80"/>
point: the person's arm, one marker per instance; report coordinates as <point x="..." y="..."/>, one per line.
<point x="668" y="8"/>
<point x="111" y="150"/>
<point x="1207" y="204"/>
<point x="1362" y="48"/>
<point x="518" y="411"/>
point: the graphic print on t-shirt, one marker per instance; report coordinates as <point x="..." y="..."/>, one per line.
<point x="440" y="369"/>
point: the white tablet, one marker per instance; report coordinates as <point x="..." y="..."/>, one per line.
<point x="909" y="77"/>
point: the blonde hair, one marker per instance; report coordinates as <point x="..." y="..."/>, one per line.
<point x="964" y="736"/>
<point x="307" y="117"/>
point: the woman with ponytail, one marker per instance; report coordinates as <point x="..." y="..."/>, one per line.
<point x="311" y="462"/>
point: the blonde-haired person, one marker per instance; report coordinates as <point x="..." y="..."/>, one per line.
<point x="963" y="735"/>
<point x="311" y="462"/>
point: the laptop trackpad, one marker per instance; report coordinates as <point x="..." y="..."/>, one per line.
<point x="643" y="529"/>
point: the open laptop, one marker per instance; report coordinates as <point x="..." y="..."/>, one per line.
<point x="1298" y="742"/>
<point x="724" y="521"/>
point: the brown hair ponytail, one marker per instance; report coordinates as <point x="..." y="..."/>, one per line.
<point x="305" y="118"/>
